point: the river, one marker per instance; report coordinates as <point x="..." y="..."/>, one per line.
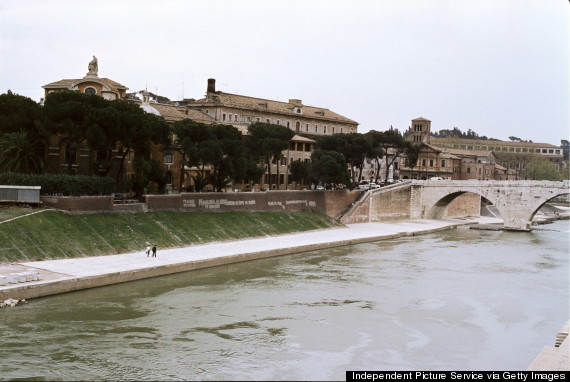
<point x="455" y="300"/>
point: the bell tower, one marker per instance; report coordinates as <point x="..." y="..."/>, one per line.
<point x="421" y="128"/>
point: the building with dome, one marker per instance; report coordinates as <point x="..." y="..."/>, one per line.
<point x="215" y="108"/>
<point x="90" y="84"/>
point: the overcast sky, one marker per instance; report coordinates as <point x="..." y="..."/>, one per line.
<point x="498" y="67"/>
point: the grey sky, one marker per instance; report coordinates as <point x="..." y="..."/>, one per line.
<point x="498" y="67"/>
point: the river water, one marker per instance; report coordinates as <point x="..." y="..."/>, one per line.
<point x="455" y="300"/>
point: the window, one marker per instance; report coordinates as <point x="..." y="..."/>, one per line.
<point x="223" y="117"/>
<point x="423" y="162"/>
<point x="267" y="120"/>
<point x="298" y="111"/>
<point x="278" y="122"/>
<point x="307" y="127"/>
<point x="168" y="177"/>
<point x="288" y="124"/>
<point x="90" y="90"/>
<point x="469" y="170"/>
<point x="283" y="161"/>
<point x="235" y="117"/>
<point x="325" y="129"/>
<point x="168" y="158"/>
<point x="258" y="119"/>
<point x="316" y="128"/>
<point x="431" y="162"/>
<point x="443" y="163"/>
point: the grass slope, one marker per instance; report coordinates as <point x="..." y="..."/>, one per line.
<point x="53" y="234"/>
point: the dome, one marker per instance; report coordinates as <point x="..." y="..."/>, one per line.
<point x="149" y="109"/>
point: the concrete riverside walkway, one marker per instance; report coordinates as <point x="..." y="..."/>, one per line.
<point x="66" y="275"/>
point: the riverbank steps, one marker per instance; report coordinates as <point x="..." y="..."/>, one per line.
<point x="557" y="357"/>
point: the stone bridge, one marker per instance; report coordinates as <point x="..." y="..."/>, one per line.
<point x="516" y="201"/>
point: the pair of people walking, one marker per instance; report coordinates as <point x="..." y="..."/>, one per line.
<point x="150" y="250"/>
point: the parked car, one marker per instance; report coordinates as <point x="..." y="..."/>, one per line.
<point x="368" y="186"/>
<point x="436" y="178"/>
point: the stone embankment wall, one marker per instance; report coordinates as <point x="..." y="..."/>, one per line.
<point x="332" y="203"/>
<point x="79" y="203"/>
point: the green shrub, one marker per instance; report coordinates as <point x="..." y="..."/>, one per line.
<point x="61" y="184"/>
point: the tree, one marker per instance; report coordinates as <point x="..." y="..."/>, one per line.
<point x="225" y="153"/>
<point x="23" y="117"/>
<point x="328" y="167"/>
<point x="392" y="144"/>
<point x="412" y="154"/>
<point x="190" y="138"/>
<point x="300" y="171"/>
<point x="19" y="113"/>
<point x="565" y="145"/>
<point x="137" y="130"/>
<point x="354" y="147"/>
<point x="19" y="153"/>
<point x="69" y="115"/>
<point x="266" y="142"/>
<point x="540" y="168"/>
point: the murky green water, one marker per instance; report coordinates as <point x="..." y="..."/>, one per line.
<point x="460" y="299"/>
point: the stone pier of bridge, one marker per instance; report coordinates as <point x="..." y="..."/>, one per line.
<point x="516" y="201"/>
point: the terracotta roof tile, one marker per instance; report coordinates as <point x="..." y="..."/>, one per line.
<point x="270" y="106"/>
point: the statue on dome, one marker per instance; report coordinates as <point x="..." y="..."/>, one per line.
<point x="93" y="67"/>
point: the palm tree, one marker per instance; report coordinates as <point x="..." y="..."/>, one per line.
<point x="19" y="153"/>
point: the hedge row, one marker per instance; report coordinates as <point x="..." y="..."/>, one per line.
<point x="61" y="184"/>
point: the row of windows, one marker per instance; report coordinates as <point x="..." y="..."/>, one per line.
<point x="298" y="146"/>
<point x="432" y="162"/>
<point x="227" y="117"/>
<point x="529" y="150"/>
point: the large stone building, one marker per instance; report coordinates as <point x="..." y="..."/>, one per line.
<point x="467" y="161"/>
<point x="240" y="111"/>
<point x="215" y="108"/>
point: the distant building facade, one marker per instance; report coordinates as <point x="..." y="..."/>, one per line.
<point x="462" y="162"/>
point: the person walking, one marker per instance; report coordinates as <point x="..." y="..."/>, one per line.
<point x="154" y="250"/>
<point x="147" y="249"/>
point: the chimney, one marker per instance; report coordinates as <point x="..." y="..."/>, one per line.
<point x="211" y="85"/>
<point x="295" y="101"/>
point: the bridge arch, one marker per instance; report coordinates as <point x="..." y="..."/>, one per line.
<point x="535" y="210"/>
<point x="438" y="209"/>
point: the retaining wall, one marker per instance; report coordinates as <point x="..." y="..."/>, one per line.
<point x="80" y="203"/>
<point x="332" y="203"/>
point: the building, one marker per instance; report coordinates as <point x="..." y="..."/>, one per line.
<point x="90" y="84"/>
<point x="241" y="111"/>
<point x="215" y="108"/>
<point x="463" y="161"/>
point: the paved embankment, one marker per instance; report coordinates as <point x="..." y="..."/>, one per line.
<point x="66" y="275"/>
